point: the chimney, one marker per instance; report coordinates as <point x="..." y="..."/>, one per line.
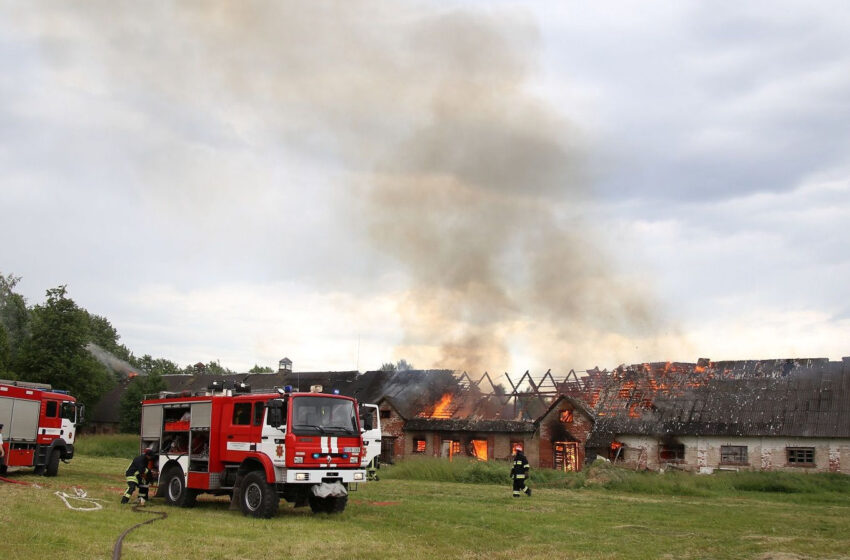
<point x="284" y="366"/>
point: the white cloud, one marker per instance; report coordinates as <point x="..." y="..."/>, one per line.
<point x="243" y="324"/>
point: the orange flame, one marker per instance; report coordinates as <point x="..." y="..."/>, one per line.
<point x="479" y="449"/>
<point x="442" y="408"/>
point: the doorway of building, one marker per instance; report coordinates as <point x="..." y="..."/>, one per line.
<point x="388" y="450"/>
<point x="449" y="448"/>
<point x="566" y="456"/>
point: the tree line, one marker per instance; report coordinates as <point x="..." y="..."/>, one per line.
<point x="60" y="343"/>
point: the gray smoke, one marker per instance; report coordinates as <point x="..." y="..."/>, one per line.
<point x="120" y="368"/>
<point x="474" y="185"/>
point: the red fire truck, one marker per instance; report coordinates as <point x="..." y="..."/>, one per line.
<point x="305" y="448"/>
<point x="39" y="425"/>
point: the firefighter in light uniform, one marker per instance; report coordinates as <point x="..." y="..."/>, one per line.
<point x="138" y="474"/>
<point x="519" y="472"/>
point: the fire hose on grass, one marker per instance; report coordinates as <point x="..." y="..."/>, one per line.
<point x="116" y="550"/>
<point x="93" y="505"/>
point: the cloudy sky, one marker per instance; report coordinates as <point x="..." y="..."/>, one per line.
<point x="500" y="186"/>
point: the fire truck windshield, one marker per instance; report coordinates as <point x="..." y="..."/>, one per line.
<point x="323" y="416"/>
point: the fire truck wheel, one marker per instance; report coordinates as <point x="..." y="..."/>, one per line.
<point x="337" y="505"/>
<point x="176" y="492"/>
<point x="259" y="498"/>
<point x="328" y="505"/>
<point x="52" y="468"/>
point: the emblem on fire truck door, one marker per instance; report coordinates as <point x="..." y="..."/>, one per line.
<point x="279" y="451"/>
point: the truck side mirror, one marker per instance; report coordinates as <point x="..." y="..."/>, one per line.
<point x="276" y="415"/>
<point x="366" y="419"/>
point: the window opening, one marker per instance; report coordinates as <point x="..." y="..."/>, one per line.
<point x="242" y="414"/>
<point x="733" y="455"/>
<point x="479" y="449"/>
<point x="671" y="453"/>
<point x="616" y="451"/>
<point x="801" y="455"/>
<point x="566" y="456"/>
<point x="259" y="408"/>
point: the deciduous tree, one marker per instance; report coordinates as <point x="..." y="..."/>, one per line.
<point x="55" y="350"/>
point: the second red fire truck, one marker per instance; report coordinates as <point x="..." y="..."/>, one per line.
<point x="39" y="426"/>
<point x="259" y="448"/>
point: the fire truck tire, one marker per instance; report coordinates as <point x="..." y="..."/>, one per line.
<point x="338" y="504"/>
<point x="259" y="498"/>
<point x="52" y="468"/>
<point x="176" y="492"/>
<point x="328" y="505"/>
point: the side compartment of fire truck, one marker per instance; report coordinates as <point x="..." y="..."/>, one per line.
<point x="179" y="433"/>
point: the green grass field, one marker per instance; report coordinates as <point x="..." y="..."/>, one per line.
<point x="433" y="509"/>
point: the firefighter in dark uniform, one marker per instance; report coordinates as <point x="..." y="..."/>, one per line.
<point x="139" y="473"/>
<point x="519" y="472"/>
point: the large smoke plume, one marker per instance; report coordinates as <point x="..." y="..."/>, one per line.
<point x="470" y="181"/>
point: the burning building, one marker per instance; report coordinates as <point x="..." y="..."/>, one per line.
<point x="742" y="415"/>
<point x="758" y="415"/>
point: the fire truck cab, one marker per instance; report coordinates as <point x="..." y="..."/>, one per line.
<point x="259" y="448"/>
<point x="39" y="426"/>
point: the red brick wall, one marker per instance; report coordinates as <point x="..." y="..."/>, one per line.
<point x="552" y="429"/>
<point x="393" y="427"/>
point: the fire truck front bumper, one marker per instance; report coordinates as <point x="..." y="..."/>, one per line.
<point x="315" y="476"/>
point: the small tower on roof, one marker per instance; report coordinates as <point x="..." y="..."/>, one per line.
<point x="284" y="366"/>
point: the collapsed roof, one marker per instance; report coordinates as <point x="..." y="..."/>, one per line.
<point x="793" y="398"/>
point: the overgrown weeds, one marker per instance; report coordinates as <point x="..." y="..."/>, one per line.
<point x="610" y="477"/>
<point x="117" y="445"/>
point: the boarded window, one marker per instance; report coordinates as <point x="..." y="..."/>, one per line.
<point x="242" y="414"/>
<point x="733" y="455"/>
<point x="419" y="445"/>
<point x="566" y="416"/>
<point x="801" y="455"/>
<point x="671" y="453"/>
